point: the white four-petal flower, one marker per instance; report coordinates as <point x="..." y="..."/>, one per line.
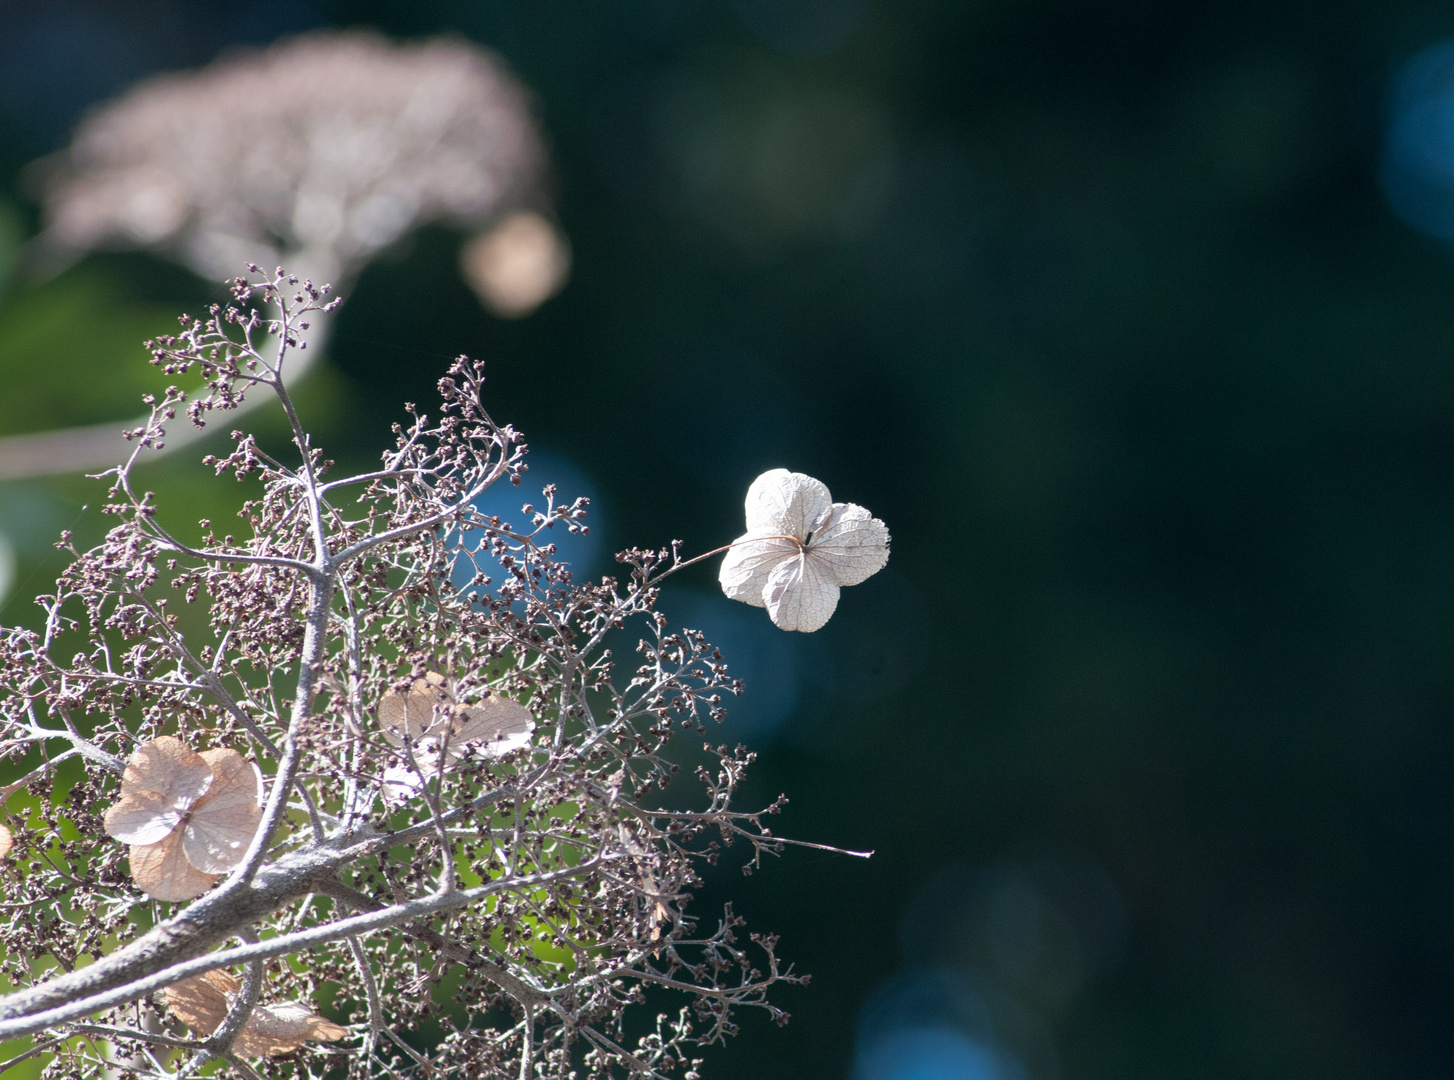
<point x="799" y="549"/>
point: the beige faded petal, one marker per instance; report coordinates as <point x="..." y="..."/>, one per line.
<point x="851" y="545"/>
<point x="412" y="712"/>
<point x="401" y="783"/>
<point x="495" y="726"/>
<point x="224" y="821"/>
<point x="800" y="596"/>
<point x="162" y="870"/>
<point x="167" y="767"/>
<point x="201" y="1001"/>
<point x="749" y="562"/>
<point x="787" y="503"/>
<point x="283" y="1028"/>
<point x="143" y="817"/>
<point x="7" y="841"/>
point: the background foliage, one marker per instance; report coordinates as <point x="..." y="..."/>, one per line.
<point x="1101" y="308"/>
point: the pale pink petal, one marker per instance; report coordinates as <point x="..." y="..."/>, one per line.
<point x="748" y="563"/>
<point x="800" y="596"/>
<point x="167" y="767"/>
<point x="223" y="821"/>
<point x="413" y="712"/>
<point x="786" y="503"/>
<point x="851" y="545"/>
<point x="7" y="841"/>
<point x="201" y="1002"/>
<point x="495" y="726"/>
<point x="233" y="774"/>
<point x="143" y="817"/>
<point x="162" y="871"/>
<point x="283" y="1028"/>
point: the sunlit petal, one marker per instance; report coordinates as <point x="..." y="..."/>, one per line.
<point x="283" y="1028"/>
<point x="224" y="821"/>
<point x="201" y="1002"/>
<point x="748" y="563"/>
<point x="143" y="817"/>
<point x="851" y="545"/>
<point x="162" y="870"/>
<point x="495" y="726"/>
<point x="167" y="767"/>
<point x="800" y="595"/>
<point x="413" y="712"/>
<point x="786" y="502"/>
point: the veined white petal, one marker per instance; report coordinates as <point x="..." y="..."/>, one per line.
<point x="800" y="595"/>
<point x="224" y="820"/>
<point x="786" y="503"/>
<point x="851" y="545"/>
<point x="748" y="563"/>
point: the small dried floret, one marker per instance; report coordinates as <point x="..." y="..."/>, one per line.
<point x="436" y="725"/>
<point x="188" y="817"/>
<point x="800" y="547"/>
<point x="202" y="1001"/>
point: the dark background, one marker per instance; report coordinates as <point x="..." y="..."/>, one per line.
<point x="1102" y="307"/>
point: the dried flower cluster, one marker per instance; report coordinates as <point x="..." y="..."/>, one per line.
<point x="452" y="856"/>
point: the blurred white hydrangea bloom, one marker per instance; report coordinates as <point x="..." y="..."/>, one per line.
<point x="316" y="153"/>
<point x="800" y="548"/>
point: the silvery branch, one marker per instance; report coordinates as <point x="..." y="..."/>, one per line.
<point x="371" y="784"/>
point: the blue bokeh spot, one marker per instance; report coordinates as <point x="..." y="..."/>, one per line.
<point x="1417" y="170"/>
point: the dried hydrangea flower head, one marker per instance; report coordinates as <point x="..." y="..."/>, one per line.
<point x="440" y="732"/>
<point x="799" y="549"/>
<point x="519" y="912"/>
<point x="188" y="817"/>
<point x="318" y="151"/>
<point x="202" y="1001"/>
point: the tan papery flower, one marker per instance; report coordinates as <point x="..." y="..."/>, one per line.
<point x="7" y="841"/>
<point x="188" y="817"/>
<point x="202" y="1001"/>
